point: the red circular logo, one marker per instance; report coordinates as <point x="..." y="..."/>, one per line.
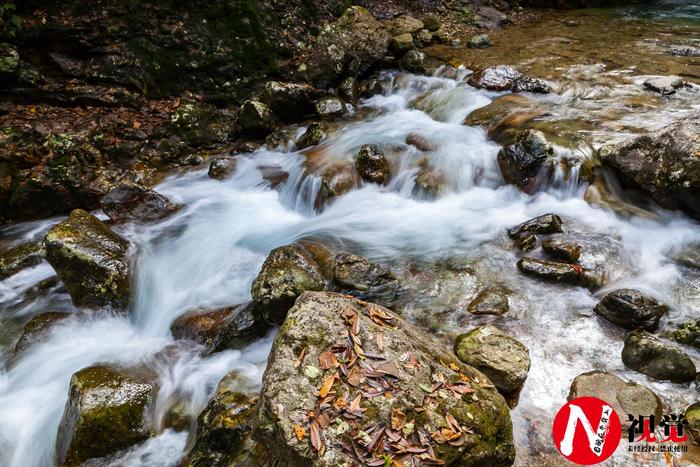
<point x="586" y="430"/>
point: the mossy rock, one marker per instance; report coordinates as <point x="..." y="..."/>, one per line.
<point x="688" y="333"/>
<point x="107" y="411"/>
<point x="18" y="258"/>
<point x="90" y="259"/>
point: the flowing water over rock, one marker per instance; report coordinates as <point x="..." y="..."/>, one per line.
<point x="445" y="248"/>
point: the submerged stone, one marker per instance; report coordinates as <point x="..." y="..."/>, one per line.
<point x="90" y="260"/>
<point x="631" y="309"/>
<point x="38" y="328"/>
<point x="647" y="354"/>
<point x="489" y="302"/>
<point x="135" y="203"/>
<point x="480" y="41"/>
<point x="107" y="411"/>
<point x="287" y="272"/>
<point x="225" y="328"/>
<point x="499" y="356"/>
<point x="317" y="328"/>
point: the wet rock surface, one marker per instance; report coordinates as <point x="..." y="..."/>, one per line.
<point x="553" y="271"/>
<point x="492" y="301"/>
<point x="647" y="354"/>
<point x="314" y="134"/>
<point x="688" y="333"/>
<point x="625" y="397"/>
<point x="631" y="309"/>
<point x="562" y="250"/>
<point x="135" y="203"/>
<point x="225" y="328"/>
<point x="38" y="328"/>
<point x="90" y="260"/>
<point x="221" y="167"/>
<point x="481" y="41"/>
<point x="372" y="165"/>
<point x="544" y="224"/>
<point x="469" y="425"/>
<point x="665" y="85"/>
<point x="663" y="163"/>
<point x="291" y="101"/>
<point x="107" y="411"/>
<point x="362" y="278"/>
<point x="526" y="161"/>
<point x="496" y="354"/>
<point x="495" y="78"/>
<point x="18" y="258"/>
<point x="287" y="272"/>
<point x="255" y="119"/>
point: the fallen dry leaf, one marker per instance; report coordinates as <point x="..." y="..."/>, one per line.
<point x="299" y="432"/>
<point x="327" y="360"/>
<point x="327" y="385"/>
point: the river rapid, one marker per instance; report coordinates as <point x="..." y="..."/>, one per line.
<point x="208" y="253"/>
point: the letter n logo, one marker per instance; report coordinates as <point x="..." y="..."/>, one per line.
<point x="586" y="430"/>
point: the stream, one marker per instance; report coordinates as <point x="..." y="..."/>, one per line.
<point x="208" y="253"/>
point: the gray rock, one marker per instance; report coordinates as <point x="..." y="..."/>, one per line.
<point x="625" y="397"/>
<point x="689" y="257"/>
<point x="126" y="203"/>
<point x="255" y="118"/>
<point x="319" y="324"/>
<point x="329" y="107"/>
<point x="496" y="354"/>
<point x="291" y="101"/>
<point x="531" y="84"/>
<point x="665" y="85"/>
<point x="403" y="24"/>
<point x="494" y="78"/>
<point x="422" y="38"/>
<point x="361" y="277"/>
<point x="107" y="411"/>
<point x="544" y="224"/>
<point x="415" y="61"/>
<point x="647" y="354"/>
<point x="663" y="163"/>
<point x="527" y="161"/>
<point x="287" y="272"/>
<point x="90" y="260"/>
<point x="372" y="165"/>
<point x="221" y="167"/>
<point x="631" y="309"/>
<point x="480" y="41"/>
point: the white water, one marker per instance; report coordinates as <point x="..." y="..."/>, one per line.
<point x="208" y="253"/>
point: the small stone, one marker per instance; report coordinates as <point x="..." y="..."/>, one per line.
<point x="527" y="160"/>
<point x="531" y="84"/>
<point x="552" y="271"/>
<point x="423" y="38"/>
<point x="432" y="23"/>
<point x="489" y="302"/>
<point x="647" y="354"/>
<point x="562" y="251"/>
<point x="685" y="51"/>
<point x="314" y="134"/>
<point x="665" y="85"/>
<point x="349" y="90"/>
<point x="255" y="118"/>
<point x="688" y="333"/>
<point x="221" y="167"/>
<point x="401" y="43"/>
<point x="494" y="78"/>
<point x="415" y="61"/>
<point x="481" y="41"/>
<point x="135" y="203"/>
<point x="371" y="87"/>
<point x="329" y="107"/>
<point x="631" y="309"/>
<point x="544" y="224"/>
<point x="441" y="36"/>
<point x="499" y="356"/>
<point x="372" y="165"/>
<point x="689" y="257"/>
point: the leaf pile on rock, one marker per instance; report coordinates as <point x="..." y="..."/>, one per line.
<point x="349" y="381"/>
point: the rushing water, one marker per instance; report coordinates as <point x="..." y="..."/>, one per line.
<point x="208" y="253"/>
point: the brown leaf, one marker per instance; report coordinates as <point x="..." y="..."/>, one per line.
<point x="327" y="385"/>
<point x="327" y="360"/>
<point x="299" y="432"/>
<point x="376" y="441"/>
<point x="452" y="423"/>
<point x="136" y="124"/>
<point x="323" y="419"/>
<point x="454" y="367"/>
<point x="389" y="368"/>
<point x="316" y="439"/>
<point x="380" y="341"/>
<point x="398" y="419"/>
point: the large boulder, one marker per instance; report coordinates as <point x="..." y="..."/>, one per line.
<point x="287" y="272"/>
<point x="349" y="46"/>
<point x="645" y="353"/>
<point x="90" y="259"/>
<point x="662" y="163"/>
<point x="631" y="309"/>
<point x="225" y="328"/>
<point x="18" y="258"/>
<point x="361" y="277"/>
<point x="372" y="165"/>
<point x="135" y="203"/>
<point x="224" y="428"/>
<point x="625" y="397"/>
<point x="107" y="411"/>
<point x="334" y="390"/>
<point x="499" y="356"/>
<point x="494" y="78"/>
<point x="527" y="160"/>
